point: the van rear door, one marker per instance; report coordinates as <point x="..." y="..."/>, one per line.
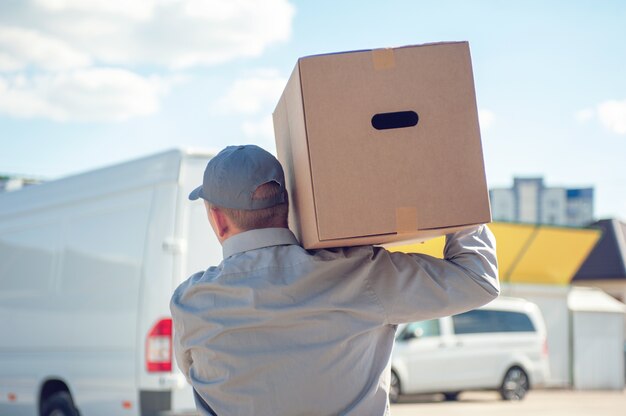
<point x="201" y="249"/>
<point x="195" y="248"/>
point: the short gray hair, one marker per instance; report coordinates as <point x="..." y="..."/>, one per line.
<point x="272" y="217"/>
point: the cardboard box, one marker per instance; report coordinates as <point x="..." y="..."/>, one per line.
<point x="382" y="145"/>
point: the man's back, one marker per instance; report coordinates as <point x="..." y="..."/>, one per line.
<point x="278" y="330"/>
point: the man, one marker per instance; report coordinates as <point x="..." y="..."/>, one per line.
<point x="279" y="330"/>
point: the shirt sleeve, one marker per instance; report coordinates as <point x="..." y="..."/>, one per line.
<point x="415" y="287"/>
<point x="181" y="352"/>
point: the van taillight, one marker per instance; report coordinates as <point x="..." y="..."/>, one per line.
<point x="159" y="347"/>
<point x="545" y="347"/>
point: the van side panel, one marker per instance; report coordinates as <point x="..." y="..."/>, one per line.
<point x="69" y="284"/>
<point x="30" y="248"/>
<point x="100" y="278"/>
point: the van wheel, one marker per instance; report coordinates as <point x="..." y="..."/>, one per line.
<point x="59" y="404"/>
<point x="451" y="396"/>
<point x="515" y="384"/>
<point x="394" y="387"/>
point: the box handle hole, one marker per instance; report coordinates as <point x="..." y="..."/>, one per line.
<point x="395" y="120"/>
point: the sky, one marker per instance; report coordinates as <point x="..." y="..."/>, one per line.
<point x="89" y="83"/>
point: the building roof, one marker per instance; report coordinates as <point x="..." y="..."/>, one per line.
<point x="530" y="254"/>
<point x="607" y="261"/>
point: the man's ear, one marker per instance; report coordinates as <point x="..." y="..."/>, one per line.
<point x="221" y="224"/>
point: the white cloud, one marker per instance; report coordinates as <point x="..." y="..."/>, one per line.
<point x="260" y="129"/>
<point x="256" y="94"/>
<point x="585" y="115"/>
<point x="82" y="95"/>
<point x="487" y="118"/>
<point x="20" y="48"/>
<point x="169" y="33"/>
<point x="64" y="52"/>
<point x="252" y="94"/>
<point x="135" y="9"/>
<point x="611" y="114"/>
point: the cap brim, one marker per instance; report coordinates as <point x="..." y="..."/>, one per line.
<point x="196" y="193"/>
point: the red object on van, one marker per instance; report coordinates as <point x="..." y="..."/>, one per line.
<point x="159" y="347"/>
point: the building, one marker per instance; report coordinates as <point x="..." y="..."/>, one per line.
<point x="585" y="327"/>
<point x="11" y="183"/>
<point x="530" y="201"/>
<point x="605" y="267"/>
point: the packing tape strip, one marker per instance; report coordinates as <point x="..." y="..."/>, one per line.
<point x="383" y="59"/>
<point x="406" y="220"/>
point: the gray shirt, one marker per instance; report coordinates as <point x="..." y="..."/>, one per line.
<point x="279" y="330"/>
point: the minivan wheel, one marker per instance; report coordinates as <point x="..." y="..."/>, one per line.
<point x="515" y="384"/>
<point x="394" y="388"/>
<point x="59" y="404"/>
<point x="451" y="396"/>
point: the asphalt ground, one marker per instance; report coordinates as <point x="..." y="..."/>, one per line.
<point x="536" y="403"/>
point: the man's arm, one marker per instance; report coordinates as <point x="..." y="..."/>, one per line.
<point x="414" y="287"/>
<point x="182" y="354"/>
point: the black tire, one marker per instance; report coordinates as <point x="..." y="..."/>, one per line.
<point x="394" y="388"/>
<point x="451" y="396"/>
<point x="59" y="404"/>
<point x="515" y="384"/>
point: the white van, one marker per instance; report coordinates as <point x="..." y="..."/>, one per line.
<point x="87" y="267"/>
<point x="500" y="346"/>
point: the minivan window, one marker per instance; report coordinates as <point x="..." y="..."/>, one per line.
<point x="478" y="321"/>
<point x="428" y="329"/>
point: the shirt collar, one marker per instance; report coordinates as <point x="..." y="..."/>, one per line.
<point x="253" y="239"/>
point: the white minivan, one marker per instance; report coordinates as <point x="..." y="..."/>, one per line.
<point x="88" y="264"/>
<point x="501" y="346"/>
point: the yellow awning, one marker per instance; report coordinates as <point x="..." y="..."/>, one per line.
<point x="538" y="254"/>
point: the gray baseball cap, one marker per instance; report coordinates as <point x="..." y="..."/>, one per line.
<point x="232" y="176"/>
